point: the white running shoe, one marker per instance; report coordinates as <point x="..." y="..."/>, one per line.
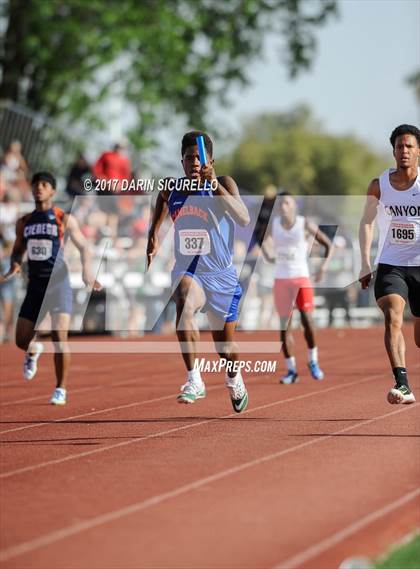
<point x="30" y="365"/>
<point x="290" y="377"/>
<point x="400" y="394"/>
<point x="238" y="393"/>
<point x="191" y="391"/>
<point x="59" y="397"/>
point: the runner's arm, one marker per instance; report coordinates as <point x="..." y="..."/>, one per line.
<point x="324" y="240"/>
<point x="82" y="245"/>
<point x="159" y="213"/>
<point x="267" y="248"/>
<point x="366" y="230"/>
<point x="227" y="189"/>
<point x="229" y="193"/>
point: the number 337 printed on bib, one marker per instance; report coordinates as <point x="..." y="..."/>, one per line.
<point x="194" y="242"/>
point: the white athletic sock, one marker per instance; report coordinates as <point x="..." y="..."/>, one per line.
<point x="291" y="364"/>
<point x="34" y="349"/>
<point x="194" y="375"/>
<point x="313" y="354"/>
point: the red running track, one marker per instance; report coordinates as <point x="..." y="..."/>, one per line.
<point x="124" y="477"/>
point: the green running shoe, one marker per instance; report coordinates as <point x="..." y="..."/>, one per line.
<point x="191" y="391"/>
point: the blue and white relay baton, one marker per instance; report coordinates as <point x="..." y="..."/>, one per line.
<point x="202" y="150"/>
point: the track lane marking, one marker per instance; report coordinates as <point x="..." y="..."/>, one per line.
<point x="40" y="424"/>
<point x="161" y="433"/>
<point x="33" y="467"/>
<point x="318" y="548"/>
<point x="66" y="532"/>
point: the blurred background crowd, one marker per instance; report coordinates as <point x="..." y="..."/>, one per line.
<point x="281" y="87"/>
<point x="116" y="224"/>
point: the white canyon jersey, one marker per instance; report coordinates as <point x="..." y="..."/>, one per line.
<point x="398" y="224"/>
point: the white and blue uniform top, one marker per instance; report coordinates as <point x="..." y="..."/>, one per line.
<point x="204" y="232"/>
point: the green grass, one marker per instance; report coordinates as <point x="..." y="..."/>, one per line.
<point x="406" y="556"/>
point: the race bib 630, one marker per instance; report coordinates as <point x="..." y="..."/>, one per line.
<point x="39" y="249"/>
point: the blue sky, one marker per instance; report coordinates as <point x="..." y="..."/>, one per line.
<point x="357" y="82"/>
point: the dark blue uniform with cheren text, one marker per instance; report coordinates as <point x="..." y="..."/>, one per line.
<point x="49" y="286"/>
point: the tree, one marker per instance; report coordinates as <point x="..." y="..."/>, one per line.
<point x="292" y="152"/>
<point x="63" y="58"/>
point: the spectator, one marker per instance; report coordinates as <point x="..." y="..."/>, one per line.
<point x="112" y="165"/>
<point x="15" y="171"/>
<point x="8" y="216"/>
<point x="79" y="171"/>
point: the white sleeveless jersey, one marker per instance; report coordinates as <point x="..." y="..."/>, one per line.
<point x="291" y="249"/>
<point x="399" y="224"/>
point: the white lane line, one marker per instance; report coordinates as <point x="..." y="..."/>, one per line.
<point x="104" y="411"/>
<point x="33" y="467"/>
<point x="45" y="396"/>
<point x="96" y="387"/>
<point x="166" y="347"/>
<point x="99" y="411"/>
<point x="326" y="544"/>
<point x="66" y="532"/>
<point x="75" y="369"/>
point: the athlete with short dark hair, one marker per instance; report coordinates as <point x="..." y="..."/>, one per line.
<point x="41" y="235"/>
<point x="203" y="277"/>
<point x="403" y="129"/>
<point x="394" y="198"/>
